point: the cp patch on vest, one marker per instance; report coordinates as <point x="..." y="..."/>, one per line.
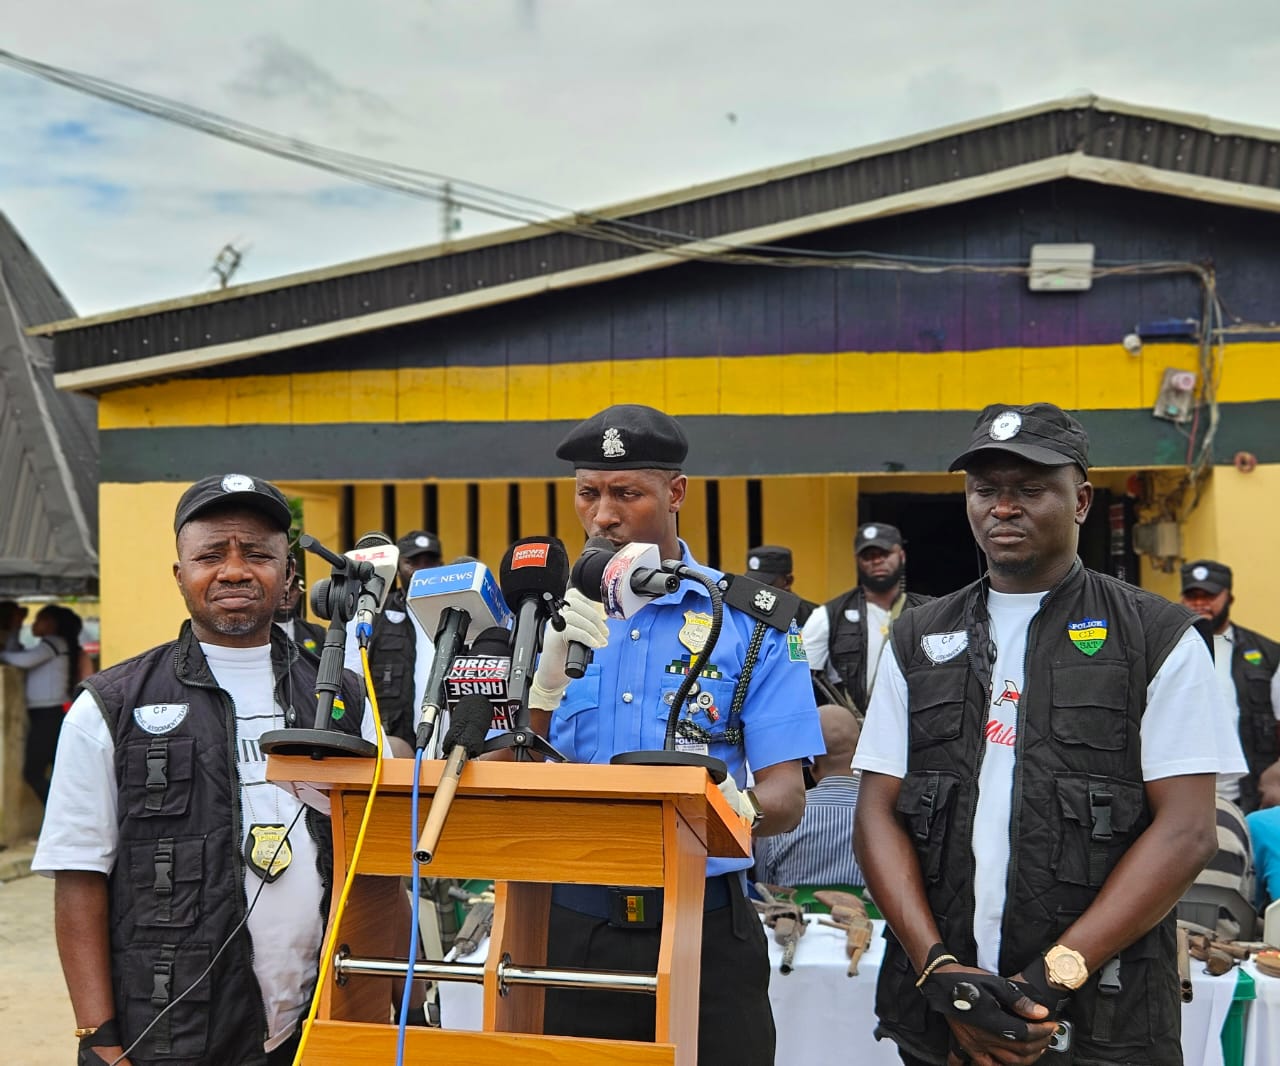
<point x="941" y="647"/>
<point x="1089" y="634"/>
<point x="1253" y="657"/>
<point x="157" y="718"/>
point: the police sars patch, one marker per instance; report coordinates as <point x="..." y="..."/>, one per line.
<point x="1089" y="634"/>
<point x="940" y="647"/>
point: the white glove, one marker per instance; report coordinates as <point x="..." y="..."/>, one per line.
<point x="738" y="799"/>
<point x="585" y="624"/>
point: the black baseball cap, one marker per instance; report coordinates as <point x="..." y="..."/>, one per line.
<point x="419" y="542"/>
<point x="1208" y="575"/>
<point x="626" y="436"/>
<point x="233" y="490"/>
<point x="877" y="535"/>
<point x="1041" y="433"/>
<point x="769" y="559"/>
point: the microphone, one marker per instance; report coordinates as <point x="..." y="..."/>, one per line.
<point x="453" y="603"/>
<point x="625" y="579"/>
<point x="465" y="740"/>
<point x="377" y="550"/>
<point x="533" y="575"/>
<point x="483" y="671"/>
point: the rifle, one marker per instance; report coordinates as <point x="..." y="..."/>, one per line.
<point x="849" y="913"/>
<point x="476" y="925"/>
<point x="785" y="917"/>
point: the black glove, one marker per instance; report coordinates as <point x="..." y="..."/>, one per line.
<point x="1035" y="985"/>
<point x="977" y="998"/>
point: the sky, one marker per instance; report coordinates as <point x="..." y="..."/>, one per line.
<point x="579" y="103"/>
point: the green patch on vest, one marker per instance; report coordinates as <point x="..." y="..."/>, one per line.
<point x="1253" y="657"/>
<point x="1089" y="634"/>
<point x="339" y="708"/>
<point x="681" y="666"/>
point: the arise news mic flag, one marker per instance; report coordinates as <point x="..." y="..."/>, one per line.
<point x="534" y="575"/>
<point x="483" y="670"/>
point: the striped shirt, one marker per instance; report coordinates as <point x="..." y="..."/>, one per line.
<point x="819" y="851"/>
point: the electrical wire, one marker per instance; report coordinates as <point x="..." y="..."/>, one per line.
<point x="331" y="934"/>
<point x="416" y="887"/>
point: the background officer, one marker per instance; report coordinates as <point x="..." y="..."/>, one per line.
<point x="754" y="708"/>
<point x="843" y="638"/>
<point x="1248" y="668"/>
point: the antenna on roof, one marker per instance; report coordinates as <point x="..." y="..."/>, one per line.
<point x="227" y="262"/>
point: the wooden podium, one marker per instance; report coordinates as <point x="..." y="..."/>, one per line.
<point x="527" y="826"/>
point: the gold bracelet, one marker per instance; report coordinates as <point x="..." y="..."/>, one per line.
<point x="86" y="1030"/>
<point x="924" y="974"/>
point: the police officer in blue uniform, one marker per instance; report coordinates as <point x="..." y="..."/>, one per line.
<point x="627" y="461"/>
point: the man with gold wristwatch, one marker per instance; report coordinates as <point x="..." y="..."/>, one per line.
<point x="1038" y="783"/>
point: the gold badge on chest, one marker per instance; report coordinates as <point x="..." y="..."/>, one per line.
<point x="695" y="631"/>
<point x="267" y="850"/>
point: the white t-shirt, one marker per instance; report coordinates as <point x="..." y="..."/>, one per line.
<point x="80" y="828"/>
<point x="817" y="634"/>
<point x="1178" y="737"/>
<point x="1228" y="785"/>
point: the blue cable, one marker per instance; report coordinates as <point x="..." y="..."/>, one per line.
<point x="413" y="932"/>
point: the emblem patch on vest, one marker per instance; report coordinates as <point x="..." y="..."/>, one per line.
<point x="157" y="718"/>
<point x="1089" y="634"/>
<point x="852" y="614"/>
<point x="339" y="708"/>
<point x="941" y="647"/>
<point x="795" y="645"/>
<point x="1253" y="657"/>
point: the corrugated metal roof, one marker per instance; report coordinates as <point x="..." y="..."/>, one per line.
<point x="48" y="444"/>
<point x="1183" y="154"/>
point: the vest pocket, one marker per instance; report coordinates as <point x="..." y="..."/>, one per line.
<point x="1089" y="704"/>
<point x="924" y="801"/>
<point x="1096" y="827"/>
<point x="936" y="705"/>
<point x="166" y="876"/>
<point x="155" y="975"/>
<point x="157" y="778"/>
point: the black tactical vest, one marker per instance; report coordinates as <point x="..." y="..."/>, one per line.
<point x="1078" y="799"/>
<point x="177" y="889"/>
<point x="1254" y="660"/>
<point x="393" y="652"/>
<point x="847" y="637"/>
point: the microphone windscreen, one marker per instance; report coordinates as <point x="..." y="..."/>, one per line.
<point x="374" y="539"/>
<point x="532" y="566"/>
<point x="588" y="571"/>
<point x="496" y="640"/>
<point x="468" y="725"/>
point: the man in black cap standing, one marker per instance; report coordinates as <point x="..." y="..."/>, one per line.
<point x="1038" y="782"/>
<point x="1247" y="665"/>
<point x="771" y="564"/>
<point x="161" y="827"/>
<point x="752" y="705"/>
<point x="843" y="638"/>
<point x="400" y="653"/>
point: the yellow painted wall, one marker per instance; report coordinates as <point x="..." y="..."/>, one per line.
<point x="1246" y="510"/>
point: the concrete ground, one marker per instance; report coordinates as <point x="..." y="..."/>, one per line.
<point x="35" y="1013"/>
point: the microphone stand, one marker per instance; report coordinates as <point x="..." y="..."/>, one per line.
<point x="522" y="740"/>
<point x="348" y="578"/>
<point x="669" y="755"/>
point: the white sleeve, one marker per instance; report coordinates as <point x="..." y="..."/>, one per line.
<point x="1275" y="694"/>
<point x="882" y="748"/>
<point x="80" y="830"/>
<point x="26" y="658"/>
<point x="1186" y="728"/>
<point x="814" y="634"/>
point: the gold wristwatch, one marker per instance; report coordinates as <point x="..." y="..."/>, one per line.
<point x="1065" y="968"/>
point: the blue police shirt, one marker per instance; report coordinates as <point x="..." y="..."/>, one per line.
<point x="620" y="703"/>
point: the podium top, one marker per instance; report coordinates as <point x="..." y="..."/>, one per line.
<point x="689" y="788"/>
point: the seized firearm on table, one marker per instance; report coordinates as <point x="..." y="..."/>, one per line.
<point x="1218" y="955"/>
<point x="476" y="925"/>
<point x="1184" y="966"/>
<point x="849" y="913"/>
<point x="785" y="917"/>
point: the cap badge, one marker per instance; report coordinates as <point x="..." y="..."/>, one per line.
<point x="870" y="533"/>
<point x="237" y="483"/>
<point x="1005" y="425"/>
<point x="1200" y="573"/>
<point x="1089" y="634"/>
<point x="422" y="542"/>
<point x="940" y="647"/>
<point x="753" y="563"/>
<point x="612" y="445"/>
<point x="765" y="601"/>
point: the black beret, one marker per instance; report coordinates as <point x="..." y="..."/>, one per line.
<point x="1040" y="432"/>
<point x="627" y="436"/>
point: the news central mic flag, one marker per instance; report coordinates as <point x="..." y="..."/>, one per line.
<point x="533" y="574"/>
